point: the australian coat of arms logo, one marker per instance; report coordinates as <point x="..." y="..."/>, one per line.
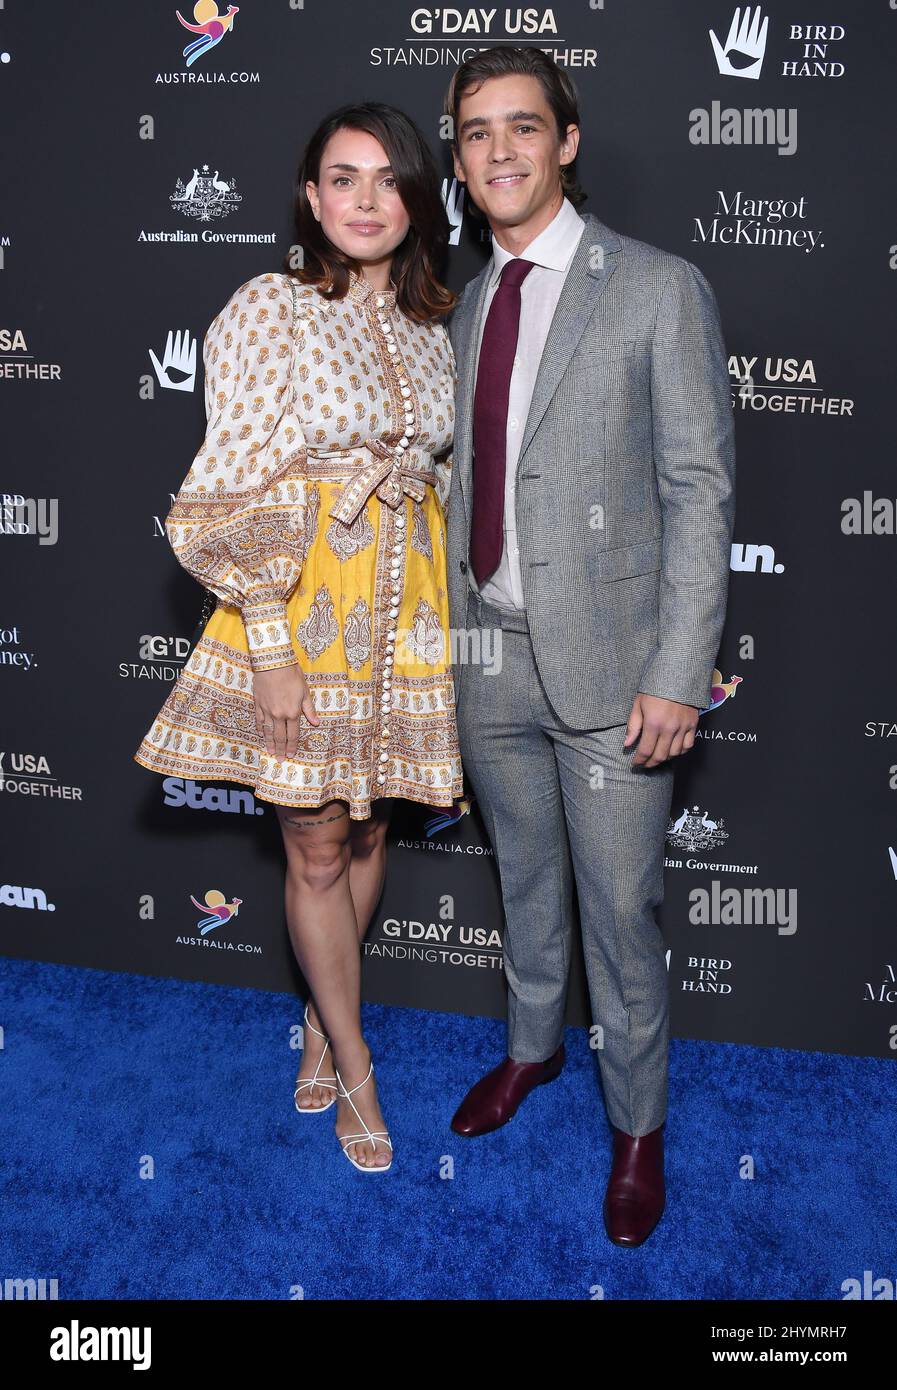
<point x="206" y="196"/>
<point x="693" y="830"/>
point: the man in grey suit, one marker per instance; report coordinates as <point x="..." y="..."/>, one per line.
<point x="589" y="522"/>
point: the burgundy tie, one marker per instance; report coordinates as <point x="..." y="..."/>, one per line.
<point x="490" y="419"/>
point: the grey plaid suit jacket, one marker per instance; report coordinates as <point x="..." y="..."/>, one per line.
<point x="625" y="482"/>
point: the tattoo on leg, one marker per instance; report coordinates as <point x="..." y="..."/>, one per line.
<point x="323" y="820"/>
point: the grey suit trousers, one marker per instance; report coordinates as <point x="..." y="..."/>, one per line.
<point x="557" y="803"/>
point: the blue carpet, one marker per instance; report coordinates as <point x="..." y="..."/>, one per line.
<point x="102" y="1073"/>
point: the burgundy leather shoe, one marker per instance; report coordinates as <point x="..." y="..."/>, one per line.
<point x="635" y="1197"/>
<point x="492" y="1101"/>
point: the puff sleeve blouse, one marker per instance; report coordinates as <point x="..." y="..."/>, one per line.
<point x="237" y="523"/>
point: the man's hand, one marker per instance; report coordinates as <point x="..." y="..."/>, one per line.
<point x="666" y="727"/>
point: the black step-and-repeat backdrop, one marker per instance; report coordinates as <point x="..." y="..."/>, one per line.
<point x="147" y="173"/>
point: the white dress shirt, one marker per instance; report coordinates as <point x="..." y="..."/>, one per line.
<point x="551" y="251"/>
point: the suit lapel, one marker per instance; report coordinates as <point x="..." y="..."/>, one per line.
<point x="583" y="286"/>
<point x="463" y="333"/>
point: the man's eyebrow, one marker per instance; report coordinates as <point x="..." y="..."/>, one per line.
<point x="512" y="116"/>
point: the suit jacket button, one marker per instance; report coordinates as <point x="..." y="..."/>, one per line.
<point x="462" y="565"/>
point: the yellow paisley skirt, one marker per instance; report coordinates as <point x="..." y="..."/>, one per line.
<point x="370" y="628"/>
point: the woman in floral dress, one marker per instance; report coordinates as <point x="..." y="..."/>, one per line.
<point x="314" y="512"/>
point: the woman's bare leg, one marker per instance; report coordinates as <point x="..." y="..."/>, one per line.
<point x="367" y="871"/>
<point x="324" y="933"/>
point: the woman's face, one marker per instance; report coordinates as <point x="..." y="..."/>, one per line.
<point x="356" y="199"/>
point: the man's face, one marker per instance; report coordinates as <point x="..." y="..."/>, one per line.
<point x="507" y="149"/>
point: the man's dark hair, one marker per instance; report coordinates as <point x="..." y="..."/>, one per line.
<point x="559" y="90"/>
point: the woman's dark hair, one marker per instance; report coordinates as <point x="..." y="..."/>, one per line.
<point x="559" y="90"/>
<point x="419" y="293"/>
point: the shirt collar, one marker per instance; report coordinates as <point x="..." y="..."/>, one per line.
<point x="553" y="248"/>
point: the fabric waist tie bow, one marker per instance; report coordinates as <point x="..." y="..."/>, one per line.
<point x="390" y="477"/>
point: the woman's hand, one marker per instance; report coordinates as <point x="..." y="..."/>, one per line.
<point x="280" y="696"/>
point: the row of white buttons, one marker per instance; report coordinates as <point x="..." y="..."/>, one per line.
<point x="388" y="660"/>
<point x="392" y="348"/>
<point x="395" y="568"/>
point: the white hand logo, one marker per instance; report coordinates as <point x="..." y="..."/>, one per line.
<point x="745" y="43"/>
<point x="180" y="357"/>
<point x="454" y="206"/>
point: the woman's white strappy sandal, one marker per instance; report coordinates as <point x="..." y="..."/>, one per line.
<point x="374" y="1135"/>
<point x="316" y="1079"/>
